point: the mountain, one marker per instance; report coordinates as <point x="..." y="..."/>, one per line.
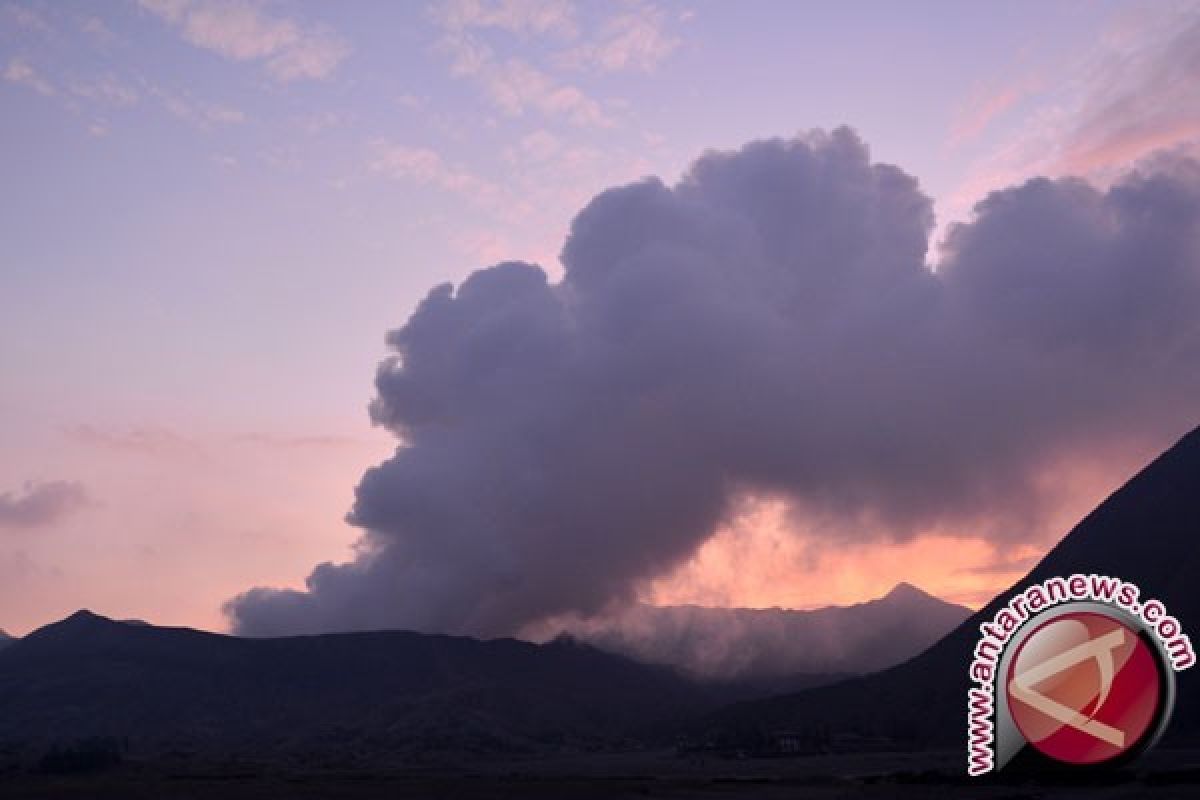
<point x="404" y="695"/>
<point x="393" y="693"/>
<point x="5" y="640"/>
<point x="1147" y="532"/>
<point x="758" y="644"/>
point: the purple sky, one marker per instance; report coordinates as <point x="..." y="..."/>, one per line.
<point x="213" y="211"/>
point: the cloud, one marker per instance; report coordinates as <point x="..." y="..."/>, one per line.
<point x="539" y="146"/>
<point x="41" y="504"/>
<point x="424" y="166"/>
<point x="1141" y="98"/>
<point x="20" y="72"/>
<point x="515" y="16"/>
<point x="1105" y="110"/>
<point x="241" y="30"/>
<point x="767" y="327"/>
<point x="98" y="31"/>
<point x="1130" y="98"/>
<point x="1009" y="567"/>
<point x="26" y="18"/>
<point x="515" y="86"/>
<point x="202" y="114"/>
<point x="165" y="443"/>
<point x="635" y="38"/>
<point x="141" y="441"/>
<point x="106" y="89"/>
<point x="764" y="643"/>
<point x="513" y="83"/>
<point x="277" y="441"/>
<point x="315" y="59"/>
<point x="982" y="110"/>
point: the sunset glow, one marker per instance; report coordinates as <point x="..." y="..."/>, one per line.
<point x="215" y="212"/>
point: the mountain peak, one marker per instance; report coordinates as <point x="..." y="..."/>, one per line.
<point x="906" y="591"/>
<point x="83" y="615"/>
<point x="81" y="621"/>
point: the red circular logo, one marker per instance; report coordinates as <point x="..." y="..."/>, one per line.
<point x="1084" y="688"/>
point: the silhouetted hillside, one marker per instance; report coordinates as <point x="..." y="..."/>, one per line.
<point x="1147" y="532"/>
<point x="400" y="695"/>
<point x="751" y="643"/>
<point x="342" y="695"/>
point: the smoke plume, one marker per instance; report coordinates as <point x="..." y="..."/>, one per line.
<point x="769" y="326"/>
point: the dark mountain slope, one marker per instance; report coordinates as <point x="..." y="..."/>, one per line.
<point x="1147" y="532"/>
<point x="170" y="688"/>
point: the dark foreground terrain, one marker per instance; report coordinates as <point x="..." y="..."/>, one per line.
<point x="94" y="708"/>
<point x="1163" y="774"/>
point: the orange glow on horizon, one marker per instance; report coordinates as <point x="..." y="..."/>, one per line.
<point x="759" y="563"/>
<point x="761" y="560"/>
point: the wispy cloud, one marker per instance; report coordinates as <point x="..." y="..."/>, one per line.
<point x="41" y="504"/>
<point x="537" y="147"/>
<point x="1109" y="108"/>
<point x="98" y="30"/>
<point x="1016" y="565"/>
<point x="518" y="81"/>
<point x="21" y="73"/>
<point x="984" y="108"/>
<point x="635" y="36"/>
<point x="25" y="18"/>
<point x="278" y="441"/>
<point x="425" y="166"/>
<point x="160" y="442"/>
<point x="482" y="245"/>
<point x="196" y="112"/>
<point x="633" y="39"/>
<point x="516" y="86"/>
<point x="106" y="89"/>
<point x="1142" y="98"/>
<point x="142" y="441"/>
<point x="516" y="16"/>
<point x="241" y="30"/>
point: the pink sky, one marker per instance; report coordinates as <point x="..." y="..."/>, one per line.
<point x="216" y="209"/>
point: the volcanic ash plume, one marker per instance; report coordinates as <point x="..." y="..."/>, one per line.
<point x="768" y="326"/>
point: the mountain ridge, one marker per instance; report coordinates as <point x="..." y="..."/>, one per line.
<point x="1144" y="532"/>
<point x="376" y="695"/>
<point x="766" y="643"/>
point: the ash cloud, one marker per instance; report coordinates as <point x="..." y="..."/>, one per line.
<point x="767" y="326"/>
<point x="41" y="504"/>
<point x="771" y="643"/>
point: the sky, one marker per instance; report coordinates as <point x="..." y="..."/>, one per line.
<point x="213" y="212"/>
